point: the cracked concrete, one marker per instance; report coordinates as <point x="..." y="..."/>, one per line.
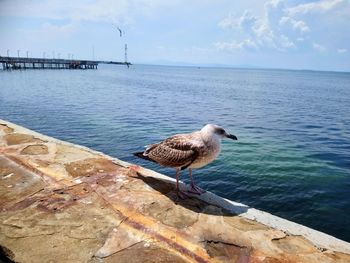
<point x="78" y="205"/>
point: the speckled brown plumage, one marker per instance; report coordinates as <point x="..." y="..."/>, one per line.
<point x="193" y="150"/>
<point x="176" y="151"/>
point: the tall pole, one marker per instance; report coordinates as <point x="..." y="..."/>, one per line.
<point x="126" y="53"/>
<point x="8" y="53"/>
<point x="27" y="53"/>
<point x="18" y="52"/>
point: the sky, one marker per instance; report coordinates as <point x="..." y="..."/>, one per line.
<point x="288" y="34"/>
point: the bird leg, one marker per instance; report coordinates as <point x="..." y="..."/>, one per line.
<point x="194" y="188"/>
<point x="180" y="194"/>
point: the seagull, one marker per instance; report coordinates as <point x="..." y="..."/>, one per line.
<point x="120" y="31"/>
<point x="192" y="150"/>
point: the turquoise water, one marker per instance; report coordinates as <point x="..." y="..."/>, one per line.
<point x="293" y="154"/>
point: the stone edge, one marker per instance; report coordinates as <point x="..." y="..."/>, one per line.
<point x="318" y="238"/>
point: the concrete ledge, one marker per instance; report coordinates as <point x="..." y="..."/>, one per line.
<point x="81" y="205"/>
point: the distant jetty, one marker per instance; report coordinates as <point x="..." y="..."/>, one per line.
<point x="12" y="63"/>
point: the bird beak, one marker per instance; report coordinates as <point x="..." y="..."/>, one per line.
<point x="231" y="136"/>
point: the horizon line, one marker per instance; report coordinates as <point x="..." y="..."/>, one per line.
<point x="190" y="65"/>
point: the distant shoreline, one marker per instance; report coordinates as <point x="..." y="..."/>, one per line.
<point x="237" y="67"/>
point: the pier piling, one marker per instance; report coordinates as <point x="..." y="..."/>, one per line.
<point x="9" y="63"/>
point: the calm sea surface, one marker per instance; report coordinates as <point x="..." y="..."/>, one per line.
<point x="293" y="154"/>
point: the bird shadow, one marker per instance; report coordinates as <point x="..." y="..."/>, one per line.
<point x="207" y="203"/>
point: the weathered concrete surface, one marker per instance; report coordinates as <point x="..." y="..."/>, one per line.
<point x="65" y="203"/>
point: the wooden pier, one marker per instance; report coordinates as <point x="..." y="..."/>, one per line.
<point x="9" y="63"/>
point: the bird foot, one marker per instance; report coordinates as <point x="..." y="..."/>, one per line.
<point x="196" y="190"/>
<point x="182" y="195"/>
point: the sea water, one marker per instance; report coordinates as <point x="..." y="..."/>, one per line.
<point x="292" y="157"/>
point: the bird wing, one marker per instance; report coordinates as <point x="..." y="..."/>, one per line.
<point x="176" y="151"/>
<point x="120" y="31"/>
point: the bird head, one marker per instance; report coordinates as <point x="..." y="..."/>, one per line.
<point x="218" y="131"/>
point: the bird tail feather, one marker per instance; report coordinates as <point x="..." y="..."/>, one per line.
<point x="142" y="156"/>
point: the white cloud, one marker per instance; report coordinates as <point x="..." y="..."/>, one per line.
<point x="264" y="36"/>
<point x="286" y="43"/>
<point x="246" y="21"/>
<point x="319" y="47"/>
<point x="121" y="11"/>
<point x="285" y="25"/>
<point x="342" y="50"/>
<point x="301" y="25"/>
<point x="232" y="46"/>
<point x="296" y="24"/>
<point x="274" y="5"/>
<point x="229" y="22"/>
<point x="284" y="20"/>
<point x="261" y="32"/>
<point x="319" y="6"/>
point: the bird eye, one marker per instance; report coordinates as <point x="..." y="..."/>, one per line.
<point x="221" y="131"/>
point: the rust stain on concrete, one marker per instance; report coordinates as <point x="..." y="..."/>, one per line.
<point x="90" y="166"/>
<point x="6" y="129"/>
<point x="20" y="138"/>
<point x="77" y="205"/>
<point x="35" y="149"/>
